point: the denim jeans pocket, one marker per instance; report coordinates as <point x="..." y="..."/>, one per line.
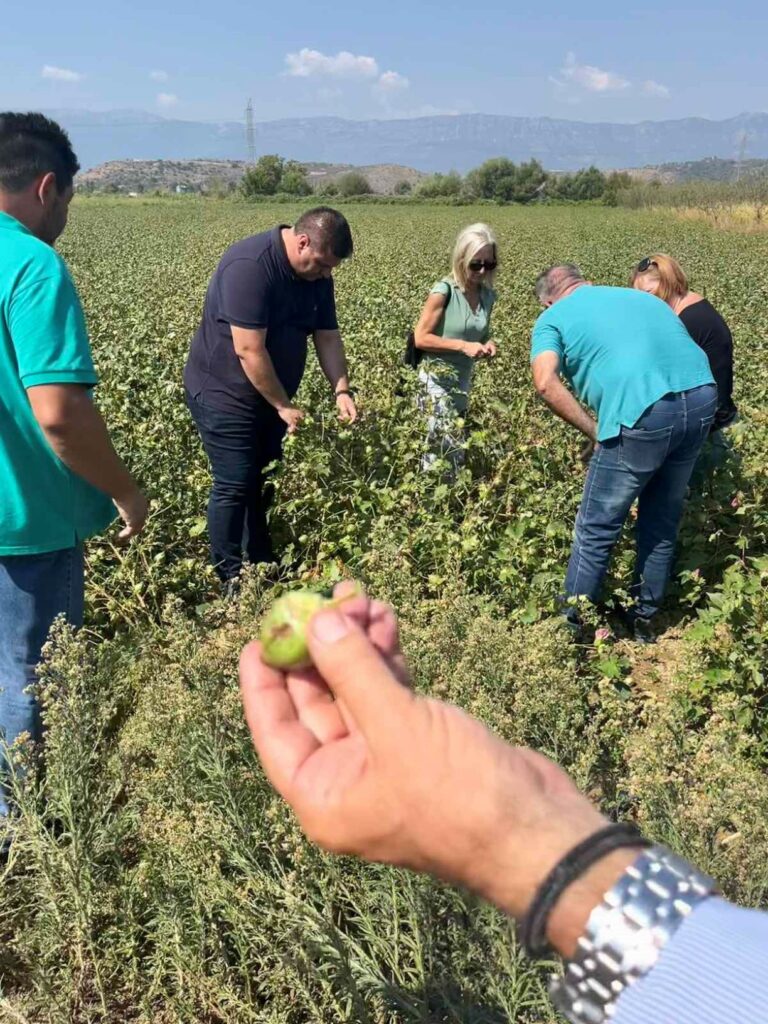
<point x="708" y="413"/>
<point x="705" y="427"/>
<point x="643" y="451"/>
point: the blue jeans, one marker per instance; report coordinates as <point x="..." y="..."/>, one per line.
<point x="238" y="448"/>
<point x="34" y="589"/>
<point x="715" y="452"/>
<point x="653" y="462"/>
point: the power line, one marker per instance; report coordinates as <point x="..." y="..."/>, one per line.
<point x="743" y="142"/>
<point x="250" y="137"/>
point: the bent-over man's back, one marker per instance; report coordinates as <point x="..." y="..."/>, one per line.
<point x="621" y="350"/>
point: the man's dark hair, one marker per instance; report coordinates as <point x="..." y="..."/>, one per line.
<point x="328" y="231"/>
<point x="31" y="145"/>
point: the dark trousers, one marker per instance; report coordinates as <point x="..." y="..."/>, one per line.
<point x="238" y="448"/>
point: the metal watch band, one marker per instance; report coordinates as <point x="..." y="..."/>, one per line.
<point x="626" y="933"/>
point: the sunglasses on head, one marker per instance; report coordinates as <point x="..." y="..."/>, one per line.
<point x="482" y="265"/>
<point x="646" y="264"/>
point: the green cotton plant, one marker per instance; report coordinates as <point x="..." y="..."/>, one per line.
<point x="733" y="636"/>
<point x="506" y="525"/>
<point x="155" y="875"/>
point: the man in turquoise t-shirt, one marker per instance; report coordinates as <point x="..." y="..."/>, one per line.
<point x="61" y="478"/>
<point x="628" y="357"/>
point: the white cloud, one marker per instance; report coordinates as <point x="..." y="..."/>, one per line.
<point x="343" y="74"/>
<point x="166" y="100"/>
<point x="159" y="76"/>
<point x="308" y="62"/>
<point x="392" y="81"/>
<point x="389" y="89"/>
<point x="651" y="88"/>
<point x="61" y="74"/>
<point x="576" y="81"/>
<point x="590" y="78"/>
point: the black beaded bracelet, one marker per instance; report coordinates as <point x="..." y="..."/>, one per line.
<point x="344" y="391"/>
<point x="533" y="928"/>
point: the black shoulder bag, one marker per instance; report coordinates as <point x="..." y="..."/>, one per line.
<point x="412" y="355"/>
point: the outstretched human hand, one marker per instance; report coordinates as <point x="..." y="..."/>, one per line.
<point x="133" y="509"/>
<point x="373" y="769"/>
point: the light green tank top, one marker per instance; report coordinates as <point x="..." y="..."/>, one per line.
<point x="453" y="370"/>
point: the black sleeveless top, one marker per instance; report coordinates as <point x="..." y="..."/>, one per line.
<point x="711" y="333"/>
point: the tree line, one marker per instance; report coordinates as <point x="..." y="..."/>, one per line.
<point x="497" y="180"/>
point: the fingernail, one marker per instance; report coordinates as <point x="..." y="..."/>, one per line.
<point x="328" y="627"/>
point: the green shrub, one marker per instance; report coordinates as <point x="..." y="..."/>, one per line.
<point x="440" y="186"/>
<point x="353" y="183"/>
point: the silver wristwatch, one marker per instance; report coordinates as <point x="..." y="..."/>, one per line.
<point x="626" y="933"/>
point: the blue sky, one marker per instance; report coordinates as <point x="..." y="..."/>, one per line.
<point x="617" y="61"/>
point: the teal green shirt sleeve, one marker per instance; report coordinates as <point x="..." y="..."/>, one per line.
<point x="546" y="337"/>
<point x="440" y="288"/>
<point x="49" y="334"/>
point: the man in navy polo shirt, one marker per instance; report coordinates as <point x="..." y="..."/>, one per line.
<point x="269" y="293"/>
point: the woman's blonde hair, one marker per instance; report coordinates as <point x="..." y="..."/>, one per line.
<point x="664" y="269"/>
<point x="470" y="241"/>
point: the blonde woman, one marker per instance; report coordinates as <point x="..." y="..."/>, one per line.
<point x="453" y="332"/>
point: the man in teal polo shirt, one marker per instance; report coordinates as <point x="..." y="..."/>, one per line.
<point x="628" y="357"/>
<point x="61" y="478"/>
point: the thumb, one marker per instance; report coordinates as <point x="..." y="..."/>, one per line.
<point x="356" y="672"/>
<point x="126" y="534"/>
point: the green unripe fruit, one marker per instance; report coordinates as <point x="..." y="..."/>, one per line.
<point x="284" y="629"/>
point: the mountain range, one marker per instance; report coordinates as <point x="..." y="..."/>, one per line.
<point x="437" y="143"/>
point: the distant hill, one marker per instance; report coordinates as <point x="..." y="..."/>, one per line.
<point x="163" y="175"/>
<point x="711" y="169"/>
<point x="426" y="143"/>
<point x="138" y="176"/>
<point x="381" y="177"/>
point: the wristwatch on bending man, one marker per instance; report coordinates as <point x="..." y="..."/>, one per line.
<point x="626" y="932"/>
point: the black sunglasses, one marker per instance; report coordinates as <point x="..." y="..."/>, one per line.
<point x="482" y="265"/>
<point x="646" y="264"/>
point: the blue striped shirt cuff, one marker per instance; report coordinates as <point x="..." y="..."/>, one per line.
<point x="714" y="970"/>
